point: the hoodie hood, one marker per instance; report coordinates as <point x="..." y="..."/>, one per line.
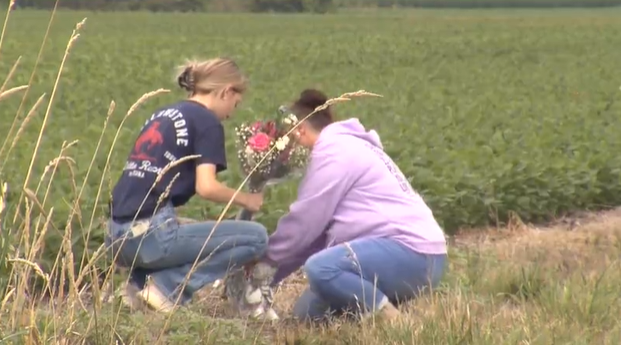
<point x="352" y="127"/>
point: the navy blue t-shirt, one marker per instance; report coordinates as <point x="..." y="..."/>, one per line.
<point x="173" y="132"/>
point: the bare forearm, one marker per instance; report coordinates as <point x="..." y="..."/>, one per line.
<point x="222" y="194"/>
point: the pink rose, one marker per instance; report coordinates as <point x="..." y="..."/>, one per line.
<point x="259" y="142"/>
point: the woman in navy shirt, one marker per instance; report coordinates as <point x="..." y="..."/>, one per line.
<point x="144" y="232"/>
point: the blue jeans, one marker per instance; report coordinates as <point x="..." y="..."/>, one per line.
<point x="363" y="274"/>
<point x="167" y="251"/>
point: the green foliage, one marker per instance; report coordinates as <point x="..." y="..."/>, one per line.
<point x="486" y="115"/>
<point x="318" y="6"/>
<point x="309" y="6"/>
<point x="121" y="5"/>
<point x="168" y="6"/>
<point x="478" y="3"/>
<point x="312" y="6"/>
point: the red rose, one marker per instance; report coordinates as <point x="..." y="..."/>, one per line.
<point x="259" y="142"/>
<point x="270" y="129"/>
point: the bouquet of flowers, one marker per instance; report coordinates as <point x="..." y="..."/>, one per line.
<point x="264" y="144"/>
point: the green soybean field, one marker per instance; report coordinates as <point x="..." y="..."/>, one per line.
<point x="494" y="116"/>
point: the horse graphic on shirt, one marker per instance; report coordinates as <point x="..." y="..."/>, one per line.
<point x="148" y="140"/>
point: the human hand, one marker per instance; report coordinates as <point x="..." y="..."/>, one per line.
<point x="253" y="201"/>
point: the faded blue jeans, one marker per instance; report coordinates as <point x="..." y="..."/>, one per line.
<point x="361" y="275"/>
<point x="168" y="251"/>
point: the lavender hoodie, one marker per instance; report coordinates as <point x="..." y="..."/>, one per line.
<point x="351" y="190"/>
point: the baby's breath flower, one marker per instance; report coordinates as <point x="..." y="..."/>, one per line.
<point x="282" y="143"/>
<point x="290" y="119"/>
<point x="248" y="150"/>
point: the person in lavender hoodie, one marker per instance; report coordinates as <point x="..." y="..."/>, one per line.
<point x="366" y="239"/>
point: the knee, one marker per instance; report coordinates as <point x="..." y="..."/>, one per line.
<point x="318" y="269"/>
<point x="309" y="307"/>
<point x="300" y="313"/>
<point x="307" y="313"/>
<point x="258" y="237"/>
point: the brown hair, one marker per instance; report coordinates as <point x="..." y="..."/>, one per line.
<point x="211" y="75"/>
<point x="307" y="102"/>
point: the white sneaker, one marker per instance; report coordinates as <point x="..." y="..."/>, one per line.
<point x="155" y="299"/>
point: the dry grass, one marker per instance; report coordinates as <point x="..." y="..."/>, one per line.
<point x="527" y="285"/>
<point x="519" y="285"/>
